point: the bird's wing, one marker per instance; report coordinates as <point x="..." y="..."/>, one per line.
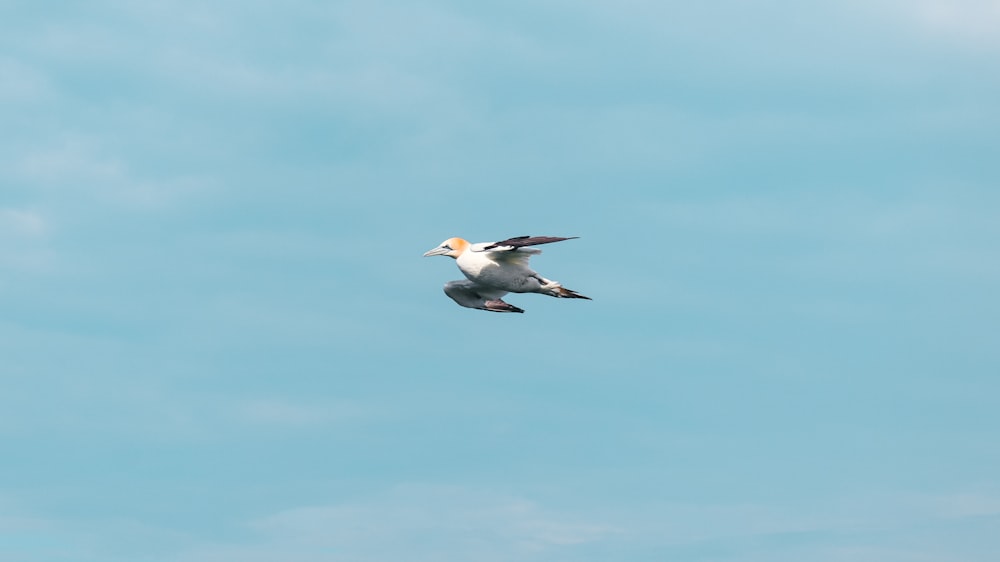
<point x="517" y="242"/>
<point x="515" y="250"/>
<point x="471" y="295"/>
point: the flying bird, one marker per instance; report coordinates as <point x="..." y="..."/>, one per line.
<point x="493" y="269"/>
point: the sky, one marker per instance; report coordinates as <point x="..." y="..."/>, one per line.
<point x="219" y="340"/>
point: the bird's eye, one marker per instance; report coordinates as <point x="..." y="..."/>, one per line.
<point x="446" y="247"/>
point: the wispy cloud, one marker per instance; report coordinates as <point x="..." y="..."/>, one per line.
<point x="159" y="414"/>
<point x="80" y="167"/>
<point x="43" y="539"/>
<point x="975" y="22"/>
<point x="24" y="240"/>
<point x="23" y="84"/>
<point x="445" y="523"/>
<point x="415" y="522"/>
<point x="22" y="223"/>
<point x="287" y="413"/>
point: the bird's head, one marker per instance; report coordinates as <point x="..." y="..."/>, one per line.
<point x="452" y="247"/>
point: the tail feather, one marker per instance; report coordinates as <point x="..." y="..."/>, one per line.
<point x="555" y="289"/>
<point x="564" y="293"/>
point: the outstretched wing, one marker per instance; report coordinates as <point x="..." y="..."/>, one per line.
<point x="471" y="295"/>
<point x="522" y="241"/>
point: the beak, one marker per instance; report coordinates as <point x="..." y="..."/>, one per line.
<point x="437" y="252"/>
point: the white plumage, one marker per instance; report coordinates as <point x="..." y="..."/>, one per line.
<point x="493" y="269"/>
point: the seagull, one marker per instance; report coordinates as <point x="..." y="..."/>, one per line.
<point x="493" y="269"/>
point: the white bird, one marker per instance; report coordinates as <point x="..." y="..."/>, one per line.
<point x="493" y="269"/>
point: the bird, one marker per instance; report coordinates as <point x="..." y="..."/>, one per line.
<point x="493" y="269"/>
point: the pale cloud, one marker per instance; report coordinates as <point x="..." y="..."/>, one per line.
<point x="22" y="223"/>
<point x="442" y="523"/>
<point x="950" y="216"/>
<point x="22" y="83"/>
<point x="36" y="538"/>
<point x="958" y="505"/>
<point x="974" y="21"/>
<point x="287" y="413"/>
<point x="828" y="243"/>
<point x="416" y="522"/>
<point x="889" y="527"/>
<point x="80" y="166"/>
<point x="423" y="522"/>
<point x="966" y="23"/>
<point x="24" y="238"/>
<point x="73" y="156"/>
<point x="156" y="411"/>
<point x="379" y="63"/>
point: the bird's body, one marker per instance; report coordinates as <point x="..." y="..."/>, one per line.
<point x="493" y="269"/>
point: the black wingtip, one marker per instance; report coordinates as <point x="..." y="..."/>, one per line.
<point x="521" y="241"/>
<point x="498" y="305"/>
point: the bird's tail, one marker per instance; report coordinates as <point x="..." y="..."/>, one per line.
<point x="564" y="293"/>
<point x="555" y="289"/>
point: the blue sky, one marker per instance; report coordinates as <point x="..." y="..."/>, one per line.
<point x="218" y="340"/>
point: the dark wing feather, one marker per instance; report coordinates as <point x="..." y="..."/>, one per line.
<point x="521" y="241"/>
